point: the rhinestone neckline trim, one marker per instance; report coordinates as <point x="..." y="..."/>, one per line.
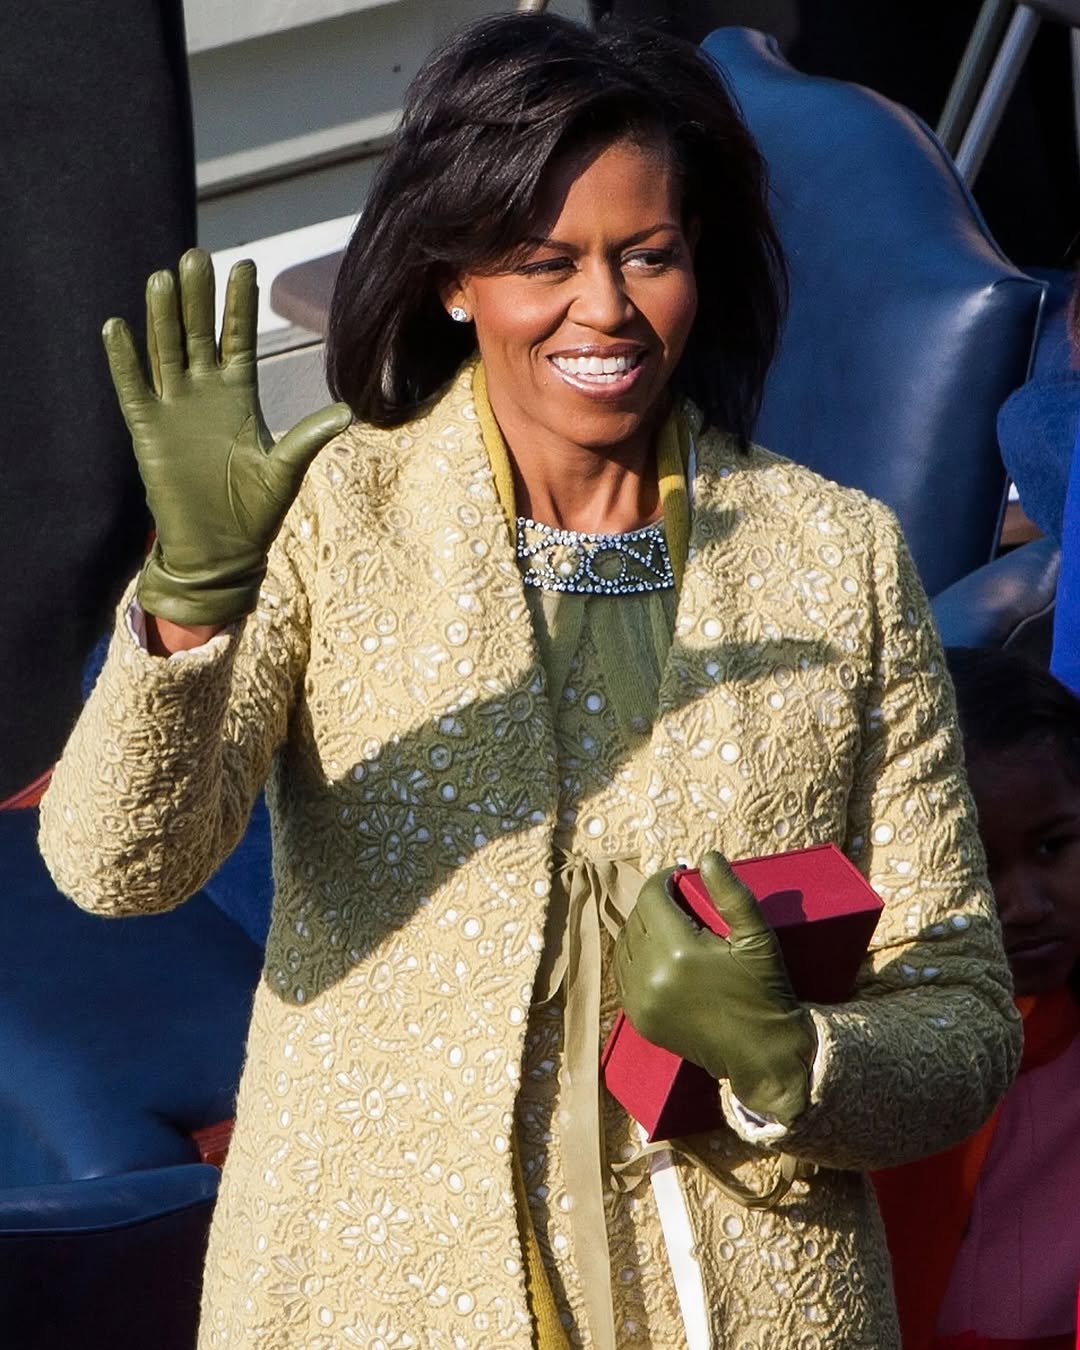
<point x="579" y="563"/>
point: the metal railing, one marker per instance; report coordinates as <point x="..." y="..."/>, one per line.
<point x="991" y="64"/>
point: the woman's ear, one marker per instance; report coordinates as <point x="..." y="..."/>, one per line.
<point x="454" y="301"/>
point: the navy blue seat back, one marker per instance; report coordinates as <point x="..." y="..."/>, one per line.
<point x="118" y="1037"/>
<point x="907" y="328"/>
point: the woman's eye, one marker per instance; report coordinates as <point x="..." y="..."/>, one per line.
<point x="546" y="267"/>
<point x="650" y="259"/>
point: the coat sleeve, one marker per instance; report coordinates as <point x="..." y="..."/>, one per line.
<point x="157" y="781"/>
<point x="918" y="1057"/>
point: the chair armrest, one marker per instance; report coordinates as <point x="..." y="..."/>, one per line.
<point x="995" y="604"/>
<point x="110" y="1263"/>
<point x="100" y="1204"/>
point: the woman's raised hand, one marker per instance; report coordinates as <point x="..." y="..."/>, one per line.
<point x="217" y="486"/>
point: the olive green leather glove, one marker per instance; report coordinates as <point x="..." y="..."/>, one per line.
<point x="724" y="1003"/>
<point x="217" y="486"/>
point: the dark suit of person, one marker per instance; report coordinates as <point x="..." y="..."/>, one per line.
<point x="97" y="190"/>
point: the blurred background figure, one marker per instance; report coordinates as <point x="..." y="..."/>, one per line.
<point x="1038" y="432"/>
<point x="984" y="1237"/>
<point x="98" y="190"/>
<point x="1065" y="657"/>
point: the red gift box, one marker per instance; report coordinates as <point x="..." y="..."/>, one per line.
<point x="823" y="912"/>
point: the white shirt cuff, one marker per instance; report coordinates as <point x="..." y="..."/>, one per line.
<point x="758" y="1129"/>
<point x="136" y="626"/>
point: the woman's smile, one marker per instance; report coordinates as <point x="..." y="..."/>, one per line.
<point x="602" y="373"/>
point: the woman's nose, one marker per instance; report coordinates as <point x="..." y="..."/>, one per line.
<point x="601" y="301"/>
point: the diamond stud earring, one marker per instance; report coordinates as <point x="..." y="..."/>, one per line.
<point x="459" y="315"/>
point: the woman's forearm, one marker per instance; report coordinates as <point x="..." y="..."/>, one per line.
<point x="138" y="812"/>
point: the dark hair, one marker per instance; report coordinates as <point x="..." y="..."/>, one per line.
<point x="1005" y="701"/>
<point x="458" y="192"/>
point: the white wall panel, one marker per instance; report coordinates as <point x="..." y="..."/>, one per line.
<point x="294" y="101"/>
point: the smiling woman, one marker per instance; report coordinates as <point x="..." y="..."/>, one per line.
<point x="497" y="130"/>
<point x="539" y="624"/>
<point x="581" y="339"/>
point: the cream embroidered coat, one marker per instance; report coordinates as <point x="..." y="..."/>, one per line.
<point x="390" y="686"/>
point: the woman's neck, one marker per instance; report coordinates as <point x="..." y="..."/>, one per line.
<point x="594" y="491"/>
<point x="586" y="492"/>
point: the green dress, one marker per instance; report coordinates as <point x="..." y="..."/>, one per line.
<point x="603" y="651"/>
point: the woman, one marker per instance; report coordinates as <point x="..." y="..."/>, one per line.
<point x="535" y="628"/>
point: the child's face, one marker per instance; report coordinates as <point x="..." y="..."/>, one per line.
<point x="1029" y="819"/>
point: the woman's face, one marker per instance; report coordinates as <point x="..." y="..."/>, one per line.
<point x="580" y="338"/>
<point x="1029" y="819"/>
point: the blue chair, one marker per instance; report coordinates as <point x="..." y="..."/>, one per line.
<point x="120" y="1038"/>
<point x="105" y="1262"/>
<point x="907" y="330"/>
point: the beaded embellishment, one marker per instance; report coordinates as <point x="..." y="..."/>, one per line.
<point x="594" y="564"/>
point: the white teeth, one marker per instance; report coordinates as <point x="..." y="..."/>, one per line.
<point x="603" y="369"/>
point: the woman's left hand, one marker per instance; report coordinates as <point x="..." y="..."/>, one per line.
<point x="723" y="1003"/>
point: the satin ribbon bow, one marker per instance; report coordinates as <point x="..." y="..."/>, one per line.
<point x="589" y="892"/>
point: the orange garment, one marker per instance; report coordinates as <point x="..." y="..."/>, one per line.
<point x="29" y="795"/>
<point x="972" y="1341"/>
<point x="926" y="1205"/>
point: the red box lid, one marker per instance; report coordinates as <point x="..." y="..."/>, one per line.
<point x="823" y="912"/>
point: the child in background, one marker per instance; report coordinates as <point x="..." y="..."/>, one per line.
<point x="985" y="1238"/>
